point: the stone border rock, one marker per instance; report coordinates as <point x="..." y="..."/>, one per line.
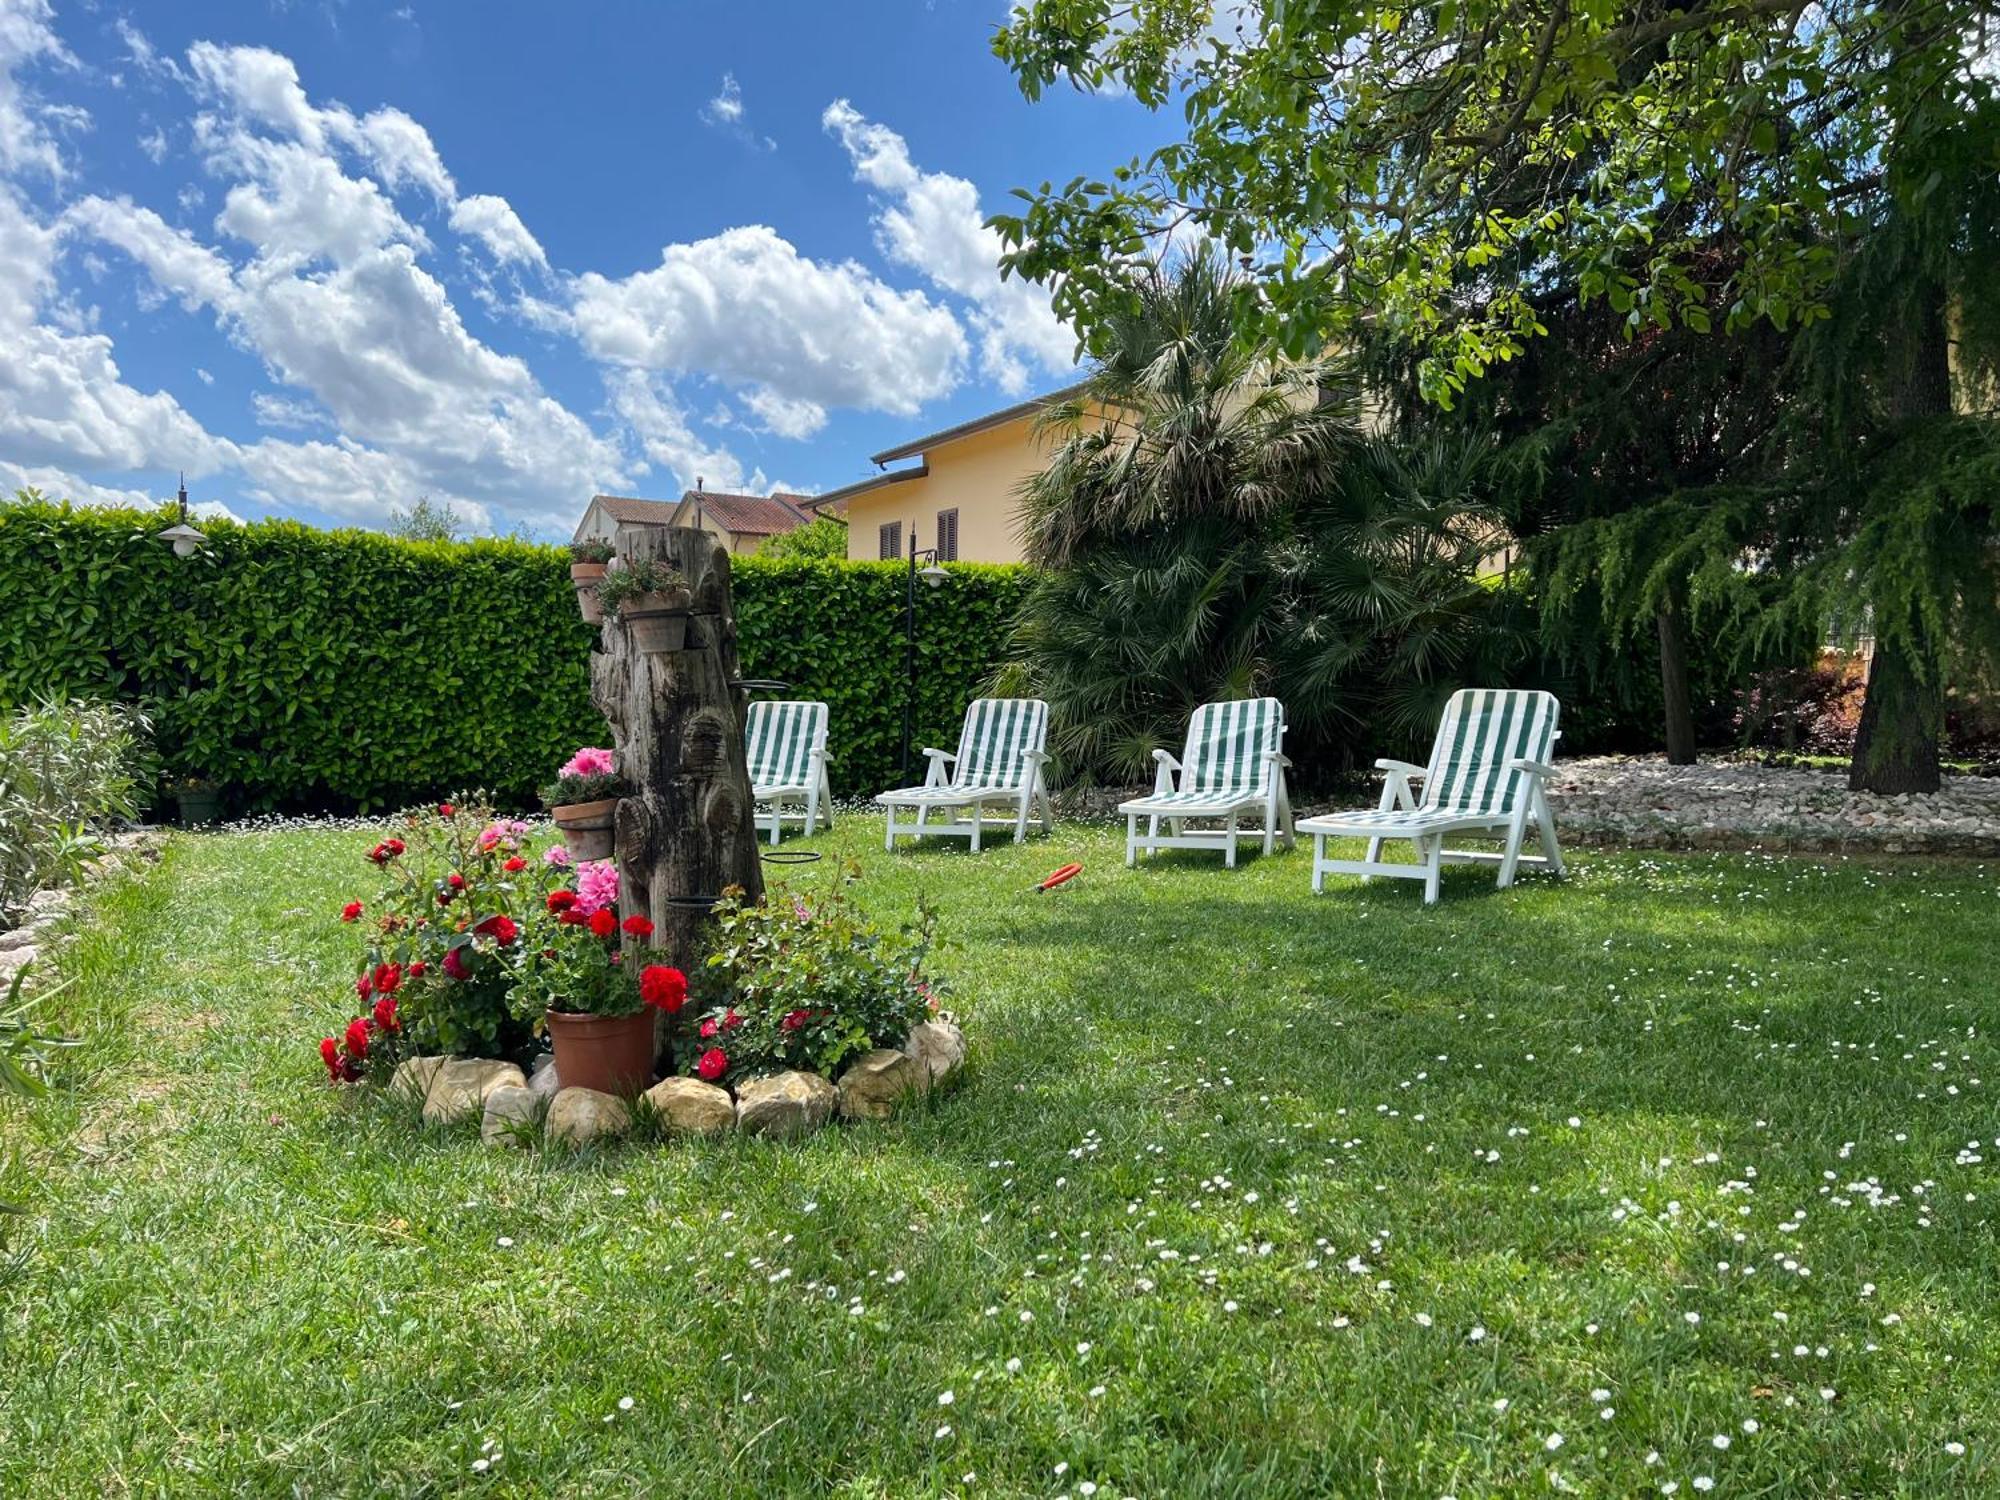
<point x="1641" y="802"/>
<point x="512" y="1109"/>
<point x="46" y="909"/>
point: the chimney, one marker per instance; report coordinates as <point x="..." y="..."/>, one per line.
<point x="698" y="483"/>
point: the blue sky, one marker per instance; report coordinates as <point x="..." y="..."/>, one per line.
<point x="330" y="255"/>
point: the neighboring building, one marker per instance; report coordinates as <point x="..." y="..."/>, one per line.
<point x="743" y="522"/>
<point x="960" y="496"/>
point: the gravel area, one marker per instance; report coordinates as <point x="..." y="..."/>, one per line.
<point x="1642" y="802"/>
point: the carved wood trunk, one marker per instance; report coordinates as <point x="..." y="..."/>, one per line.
<point x="677" y="722"/>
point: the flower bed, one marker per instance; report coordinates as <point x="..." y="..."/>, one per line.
<point x="479" y="950"/>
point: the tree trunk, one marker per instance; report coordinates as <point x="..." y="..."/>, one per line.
<point x="1674" y="685"/>
<point x="1900" y="738"/>
<point x="687" y="831"/>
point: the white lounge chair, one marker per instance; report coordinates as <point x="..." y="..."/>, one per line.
<point x="998" y="764"/>
<point x="786" y="748"/>
<point x="1485" y="777"/>
<point x="1234" y="765"/>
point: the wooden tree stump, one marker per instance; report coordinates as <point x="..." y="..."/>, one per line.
<point x="688" y="830"/>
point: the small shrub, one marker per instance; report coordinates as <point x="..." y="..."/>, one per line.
<point x="66" y="770"/>
<point x="804" y="982"/>
<point x="587" y="776"/>
<point x="573" y="964"/>
<point x="639" y="576"/>
<point x="591" y="551"/>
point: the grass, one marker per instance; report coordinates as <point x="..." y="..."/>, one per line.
<point x="1245" y="1194"/>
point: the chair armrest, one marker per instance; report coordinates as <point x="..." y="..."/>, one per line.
<point x="1402" y="767"/>
<point x="940" y="754"/>
<point x="1532" y="767"/>
<point x="1278" y="758"/>
<point x="1166" y="758"/>
<point x="1039" y="757"/>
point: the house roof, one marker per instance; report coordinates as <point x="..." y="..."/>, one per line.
<point x="992" y="419"/>
<point x="751" y="515"/>
<point x="835" y="501"/>
<point x="637" y="512"/>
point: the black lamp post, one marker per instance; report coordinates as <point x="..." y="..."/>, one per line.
<point x="933" y="574"/>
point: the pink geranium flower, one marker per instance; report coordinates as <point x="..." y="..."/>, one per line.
<point x="596" y="885"/>
<point x="588" y="762"/>
<point x="557" y="856"/>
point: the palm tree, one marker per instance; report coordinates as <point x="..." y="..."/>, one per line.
<point x="1214" y="523"/>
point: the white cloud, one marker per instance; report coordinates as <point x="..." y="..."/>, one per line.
<point x="664" y="431"/>
<point x="154" y="144"/>
<point x="60" y="484"/>
<point x="493" y="222"/>
<point x="26" y="140"/>
<point x="745" y="307"/>
<point x="726" y="112"/>
<point x="931" y="222"/>
<point x="783" y="416"/>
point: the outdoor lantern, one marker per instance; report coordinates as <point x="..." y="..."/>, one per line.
<point x="932" y="573"/>
<point x="183" y="538"/>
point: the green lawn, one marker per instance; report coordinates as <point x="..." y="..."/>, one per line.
<point x="1678" y="1172"/>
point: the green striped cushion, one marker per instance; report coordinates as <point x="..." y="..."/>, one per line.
<point x="1483" y="729"/>
<point x="997" y="731"/>
<point x="1226" y="746"/>
<point x="781" y="740"/>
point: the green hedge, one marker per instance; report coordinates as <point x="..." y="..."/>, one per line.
<point x="307" y="669"/>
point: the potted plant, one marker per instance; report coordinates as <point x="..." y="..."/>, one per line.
<point x="588" y="561"/>
<point x="197" y="799"/>
<point x="583" y="800"/>
<point x="596" y="1000"/>
<point x="651" y="599"/>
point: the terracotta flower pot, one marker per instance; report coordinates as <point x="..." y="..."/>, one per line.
<point x="658" y="622"/>
<point x="587" y="827"/>
<point x="612" y="1054"/>
<point x="585" y="577"/>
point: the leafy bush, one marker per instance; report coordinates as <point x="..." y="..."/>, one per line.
<point x="823" y="536"/>
<point x="575" y="964"/>
<point x="637" y="577"/>
<point x="305" y="669"/>
<point x="804" y="982"/>
<point x="65" y="770"/>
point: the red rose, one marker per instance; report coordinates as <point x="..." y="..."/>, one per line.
<point x="387" y="977"/>
<point x="714" y="1063"/>
<point x="730" y="1020"/>
<point x="385" y="1014"/>
<point x="417" y="968"/>
<point x="454" y="964"/>
<point x="515" y="865"/>
<point x="379" y="854"/>
<point x="394" y="847"/>
<point x="561" y="901"/>
<point x="445" y="809"/>
<point x="455" y="880"/>
<point x="329" y="1053"/>
<point x="663" y="988"/>
<point x="571" y="917"/>
<point x="795" y="1019"/>
<point x="363" y="986"/>
<point x="638" y="927"/>
<point x="500" y="928"/>
<point x="602" y="922"/>
<point x="444" y="898"/>
<point x="351" y="912"/>
<point x="709" y="1028"/>
<point x="357" y="1038"/>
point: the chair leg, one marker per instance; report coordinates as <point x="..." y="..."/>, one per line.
<point x="1021" y="817"/>
<point x="1510" y="859"/>
<point x="1152" y="833"/>
<point x="1229" y="854"/>
<point x="1319" y="865"/>
<point x="1433" y="868"/>
<point x="1375" y="857"/>
<point x="1131" y="840"/>
<point x="889" y="836"/>
<point x="1285" y="819"/>
<point x="978" y="823"/>
<point x="1270" y="829"/>
<point x="1546" y="825"/>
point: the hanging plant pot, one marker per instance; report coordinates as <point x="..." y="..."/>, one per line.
<point x="587" y="827"/>
<point x="612" y="1054"/>
<point x="584" y="578"/>
<point x="658" y="622"/>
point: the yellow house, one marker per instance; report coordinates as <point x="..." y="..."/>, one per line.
<point x="959" y="496"/>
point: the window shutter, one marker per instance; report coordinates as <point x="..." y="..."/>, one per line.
<point x="947" y="535"/>
<point x="892" y="540"/>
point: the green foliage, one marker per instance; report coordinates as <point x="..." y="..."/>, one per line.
<point x="426" y="521"/>
<point x="566" y="791"/>
<point x="822" y="536"/>
<point x="1375" y="160"/>
<point x="298" y="668"/>
<point x="805" y="981"/>
<point x="66" y="768"/>
<point x="591" y="550"/>
<point x="1230" y="533"/>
